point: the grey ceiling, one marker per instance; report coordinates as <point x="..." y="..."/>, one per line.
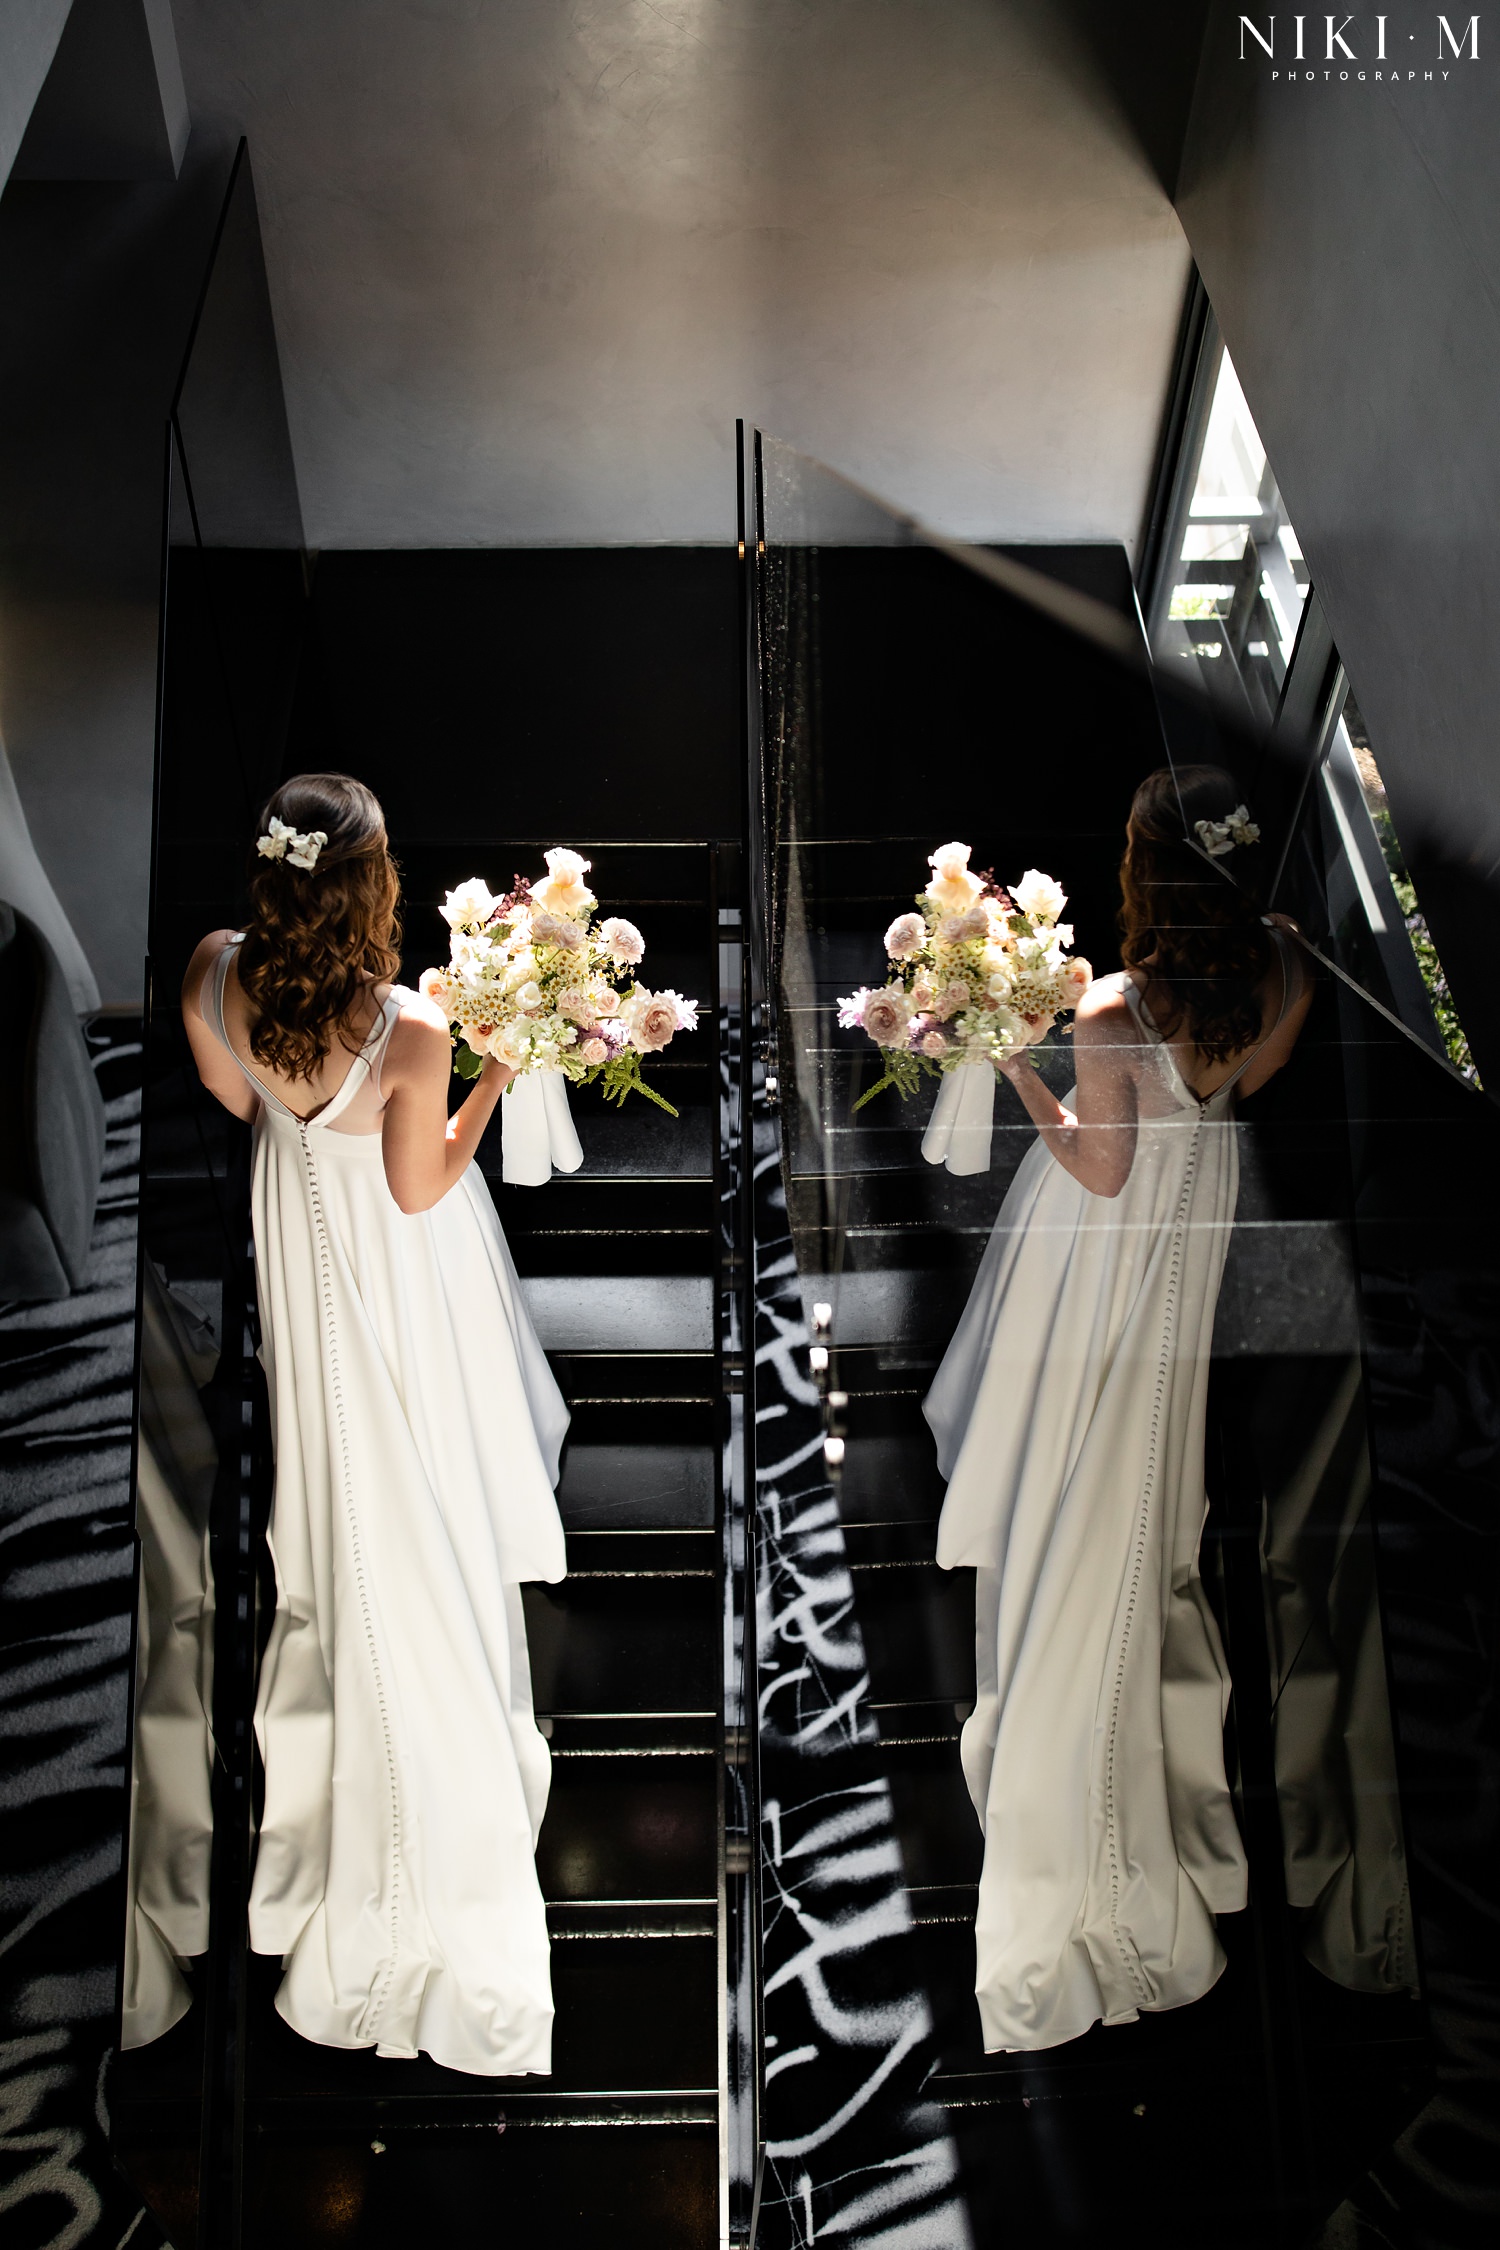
<point x="530" y="257"/>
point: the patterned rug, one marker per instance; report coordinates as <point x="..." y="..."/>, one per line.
<point x="65" y="1587"/>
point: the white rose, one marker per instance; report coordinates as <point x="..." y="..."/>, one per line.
<point x="470" y="906"/>
<point x="512" y="1044"/>
<point x="949" y="860"/>
<point x="1039" y="897"/>
<point x="529" y="996"/>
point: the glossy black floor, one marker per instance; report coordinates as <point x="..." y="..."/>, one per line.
<point x="618" y="1263"/>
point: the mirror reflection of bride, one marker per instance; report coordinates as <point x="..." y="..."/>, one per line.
<point x="1069" y="1416"/>
<point x="417" y="1430"/>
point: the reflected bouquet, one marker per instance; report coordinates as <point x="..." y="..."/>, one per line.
<point x="533" y="982"/>
<point x="974" y="974"/>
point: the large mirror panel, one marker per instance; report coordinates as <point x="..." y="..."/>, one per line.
<point x="1100" y="1440"/>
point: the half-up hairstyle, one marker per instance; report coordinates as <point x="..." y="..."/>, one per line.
<point x="318" y="937"/>
<point x="1197" y="936"/>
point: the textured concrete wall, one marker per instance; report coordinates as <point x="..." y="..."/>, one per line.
<point x="530" y="259"/>
<point x="1349" y="237"/>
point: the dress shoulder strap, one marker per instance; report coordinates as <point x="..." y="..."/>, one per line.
<point x="380" y="1037"/>
<point x="212" y="995"/>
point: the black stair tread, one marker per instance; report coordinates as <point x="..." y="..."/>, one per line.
<point x="644" y="1143"/>
<point x="643" y="1421"/>
<point x="672" y="1312"/>
<point x="888" y="1477"/>
<point x="630" y="1829"/>
<point x="656" y="1550"/>
<point x="633" y="2015"/>
<point x="617" y="1378"/>
<point x="942" y="1843"/>
<point x="649" y="2186"/>
<point x="662" y="1253"/>
<point x="917" y="1624"/>
<point x="643" y="1485"/>
<point x="574" y="1201"/>
<point x="625" y="1643"/>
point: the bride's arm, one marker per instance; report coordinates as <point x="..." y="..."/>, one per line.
<point x="1095" y="1142"/>
<point x="425" y="1150"/>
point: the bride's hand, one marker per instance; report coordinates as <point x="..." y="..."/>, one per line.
<point x="496" y="1074"/>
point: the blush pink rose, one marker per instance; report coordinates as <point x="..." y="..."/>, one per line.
<point x="886" y="1016"/>
<point x="594" y="1051"/>
<point x="905" y="936"/>
<point x="654" y="1025"/>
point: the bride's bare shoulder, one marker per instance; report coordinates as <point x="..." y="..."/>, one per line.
<point x="420" y="1037"/>
<point x="205" y="954"/>
<point x="1105" y="1007"/>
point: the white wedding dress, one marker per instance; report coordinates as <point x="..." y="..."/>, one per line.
<point x="417" y="1429"/>
<point x="1069" y="1416"/>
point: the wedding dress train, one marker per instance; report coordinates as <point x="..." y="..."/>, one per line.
<point x="1069" y="1416"/>
<point x="417" y="1429"/>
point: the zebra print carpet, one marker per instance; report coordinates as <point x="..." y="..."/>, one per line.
<point x="854" y="2152"/>
<point x="65" y="1590"/>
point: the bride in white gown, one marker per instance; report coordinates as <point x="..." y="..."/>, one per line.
<point x="417" y="1430"/>
<point x="1069" y="1416"/>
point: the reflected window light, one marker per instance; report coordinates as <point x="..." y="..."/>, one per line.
<point x="1215" y="542"/>
<point x="1286" y="628"/>
<point x="1234" y="460"/>
<point x="1291" y="546"/>
<point x="1199" y="601"/>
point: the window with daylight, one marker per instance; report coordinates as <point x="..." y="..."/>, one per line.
<point x="1230" y="599"/>
<point x="1238" y="580"/>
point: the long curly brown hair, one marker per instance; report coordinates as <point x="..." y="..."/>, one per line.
<point x="1198" y="937"/>
<point x="318" y="937"/>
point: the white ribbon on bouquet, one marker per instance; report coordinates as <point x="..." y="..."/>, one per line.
<point x="958" y="1133"/>
<point x="536" y="1129"/>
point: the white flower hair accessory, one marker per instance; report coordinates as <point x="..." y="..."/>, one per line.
<point x="1220" y="836"/>
<point x="283" y="842"/>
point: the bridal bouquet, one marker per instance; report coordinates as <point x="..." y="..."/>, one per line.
<point x="974" y="974"/>
<point x="531" y="981"/>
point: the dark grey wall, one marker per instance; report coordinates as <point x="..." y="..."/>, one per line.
<point x="1348" y="231"/>
<point x="99" y="283"/>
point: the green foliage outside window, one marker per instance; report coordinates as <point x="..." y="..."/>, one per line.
<point x="1451" y="1030"/>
